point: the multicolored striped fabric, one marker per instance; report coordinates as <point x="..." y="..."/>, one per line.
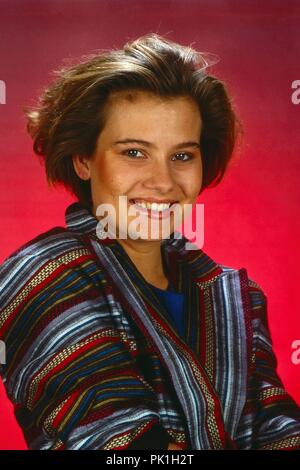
<point x="94" y="362"/>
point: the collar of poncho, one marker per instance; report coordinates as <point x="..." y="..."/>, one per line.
<point x="181" y="263"/>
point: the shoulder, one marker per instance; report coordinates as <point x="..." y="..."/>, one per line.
<point x="51" y="274"/>
<point x="253" y="294"/>
<point x="254" y="289"/>
<point x="232" y="278"/>
<point x="47" y="244"/>
<point x="34" y="262"/>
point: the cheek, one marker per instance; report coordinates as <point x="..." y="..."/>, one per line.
<point x="105" y="178"/>
<point x="198" y="177"/>
<point x="193" y="181"/>
<point x="117" y="176"/>
<point x="112" y="187"/>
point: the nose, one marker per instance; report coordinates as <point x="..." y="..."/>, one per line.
<point x="159" y="177"/>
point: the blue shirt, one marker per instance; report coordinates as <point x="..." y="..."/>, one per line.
<point x="173" y="301"/>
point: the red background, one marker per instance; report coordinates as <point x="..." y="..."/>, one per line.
<point x="251" y="217"/>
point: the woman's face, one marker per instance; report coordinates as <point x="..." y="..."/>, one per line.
<point x="160" y="161"/>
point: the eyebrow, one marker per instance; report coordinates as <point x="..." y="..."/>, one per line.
<point x="149" y="144"/>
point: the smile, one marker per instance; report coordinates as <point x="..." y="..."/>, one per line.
<point x="154" y="206"/>
<point x="153" y="209"/>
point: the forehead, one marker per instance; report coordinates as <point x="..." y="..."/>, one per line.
<point x="138" y="107"/>
<point x="141" y="115"/>
<point x="139" y="97"/>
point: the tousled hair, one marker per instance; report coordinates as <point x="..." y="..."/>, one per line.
<point x="71" y="112"/>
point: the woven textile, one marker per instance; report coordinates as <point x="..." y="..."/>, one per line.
<point x="94" y="362"/>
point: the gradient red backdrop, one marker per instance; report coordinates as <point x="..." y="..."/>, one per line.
<point x="251" y="217"/>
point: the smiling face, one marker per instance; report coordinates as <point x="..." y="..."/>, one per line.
<point x="159" y="162"/>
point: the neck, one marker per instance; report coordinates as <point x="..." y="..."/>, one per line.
<point x="146" y="256"/>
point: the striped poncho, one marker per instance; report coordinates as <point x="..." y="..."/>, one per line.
<point x="93" y="360"/>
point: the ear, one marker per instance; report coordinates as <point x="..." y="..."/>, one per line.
<point x="81" y="166"/>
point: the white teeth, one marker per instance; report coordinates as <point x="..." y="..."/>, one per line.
<point x="153" y="206"/>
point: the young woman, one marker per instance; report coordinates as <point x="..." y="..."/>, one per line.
<point x="137" y="341"/>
